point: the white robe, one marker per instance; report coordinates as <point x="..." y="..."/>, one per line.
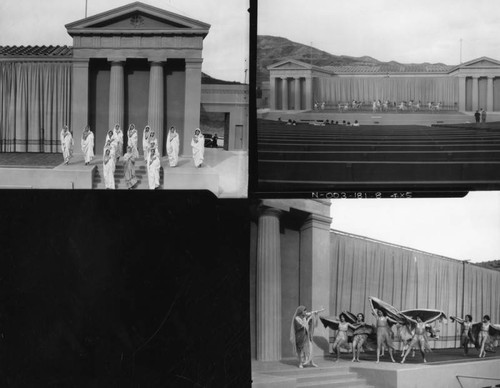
<point x="152" y="144"/>
<point x="109" y="171"/>
<point x="198" y="149"/>
<point x="67" y="146"/>
<point x="173" y="148"/>
<point x="154" y="172"/>
<point x="145" y="144"/>
<point x="132" y="142"/>
<point x="113" y="144"/>
<point x="88" y="147"/>
<point x="119" y="143"/>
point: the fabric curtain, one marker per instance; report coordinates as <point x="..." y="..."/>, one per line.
<point x="334" y="90"/>
<point x="35" y="103"/>
<point x="409" y="279"/>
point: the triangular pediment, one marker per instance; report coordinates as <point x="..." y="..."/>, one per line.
<point x="137" y="18"/>
<point x="290" y="64"/>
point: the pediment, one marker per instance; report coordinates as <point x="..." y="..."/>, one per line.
<point x="290" y="64"/>
<point x="137" y="18"/>
<point x="482" y="62"/>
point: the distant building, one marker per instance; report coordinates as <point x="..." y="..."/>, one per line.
<point x="295" y="85"/>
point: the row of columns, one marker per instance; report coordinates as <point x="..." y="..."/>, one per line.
<point x="156" y="103"/>
<point x="283" y="93"/>
<point x="475" y="93"/>
<point x="314" y="276"/>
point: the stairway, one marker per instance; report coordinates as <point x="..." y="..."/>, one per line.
<point x="141" y="174"/>
<point x="322" y="377"/>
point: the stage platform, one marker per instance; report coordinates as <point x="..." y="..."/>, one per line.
<point x="225" y="173"/>
<point x="446" y="368"/>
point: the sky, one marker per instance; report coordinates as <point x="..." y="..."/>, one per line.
<point x="406" y="32"/>
<point x="460" y="228"/>
<point x="225" y="51"/>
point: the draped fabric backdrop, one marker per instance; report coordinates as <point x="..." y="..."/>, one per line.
<point x="408" y="278"/>
<point x="35" y="102"/>
<point x="336" y="90"/>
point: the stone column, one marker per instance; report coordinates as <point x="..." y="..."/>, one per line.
<point x="156" y="106"/>
<point x="79" y="102"/>
<point x="272" y="93"/>
<point x="315" y="267"/>
<point x="269" y="286"/>
<point x="308" y="93"/>
<point x="116" y="94"/>
<point x="284" y="93"/>
<point x="461" y="93"/>
<point x="297" y="99"/>
<point x="475" y="93"/>
<point x="192" y="101"/>
<point x="489" y="95"/>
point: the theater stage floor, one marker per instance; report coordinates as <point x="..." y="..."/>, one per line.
<point x="46" y="171"/>
<point x="441" y="370"/>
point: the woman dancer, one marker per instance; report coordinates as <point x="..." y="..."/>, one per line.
<point x="360" y="336"/>
<point x="384" y="333"/>
<point x="110" y="142"/>
<point x="87" y="145"/>
<point x="145" y="141"/>
<point x="132" y="140"/>
<point x="198" y="145"/>
<point x="466" y="335"/>
<point x="173" y="147"/>
<point x="129" y="159"/>
<point x="419" y="338"/>
<point x="109" y="168"/>
<point x="119" y="141"/>
<point x="341" y="338"/>
<point x="152" y="145"/>
<point x="301" y="335"/>
<point x="67" y="145"/>
<point x="154" y="170"/>
<point x="486" y="328"/>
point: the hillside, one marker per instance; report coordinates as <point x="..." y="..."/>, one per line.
<point x="271" y="49"/>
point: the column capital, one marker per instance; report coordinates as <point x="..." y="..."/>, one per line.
<point x="117" y="60"/>
<point x="193" y="63"/>
<point x="161" y="60"/>
<point x="270" y="211"/>
<point x="284" y="78"/>
<point x="317" y="221"/>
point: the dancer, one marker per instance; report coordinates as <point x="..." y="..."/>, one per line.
<point x="87" y="144"/>
<point x="109" y="168"/>
<point x="483" y="332"/>
<point x="152" y="145"/>
<point x="145" y="141"/>
<point x="110" y="142"/>
<point x="119" y="141"/>
<point x="129" y="159"/>
<point x="466" y="335"/>
<point x="198" y="145"/>
<point x="154" y="170"/>
<point x="419" y="338"/>
<point x="341" y="338"/>
<point x="361" y="333"/>
<point x="173" y="147"/>
<point x="301" y="335"/>
<point x="67" y="145"/>
<point x="132" y="140"/>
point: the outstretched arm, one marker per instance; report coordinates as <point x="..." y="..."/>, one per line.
<point x="459" y="320"/>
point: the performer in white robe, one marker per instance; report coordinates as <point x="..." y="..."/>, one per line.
<point x="145" y="141"/>
<point x="67" y="146"/>
<point x="154" y="170"/>
<point x="88" y="145"/>
<point x="129" y="159"/>
<point x="173" y="147"/>
<point x="198" y="146"/>
<point x="132" y="140"/>
<point x="61" y="135"/>
<point x="109" y="168"/>
<point x="152" y="145"/>
<point x="119" y="141"/>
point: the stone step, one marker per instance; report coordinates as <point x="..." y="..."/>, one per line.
<point x="335" y="383"/>
<point x="141" y="175"/>
<point x="319" y="377"/>
<point x="341" y="370"/>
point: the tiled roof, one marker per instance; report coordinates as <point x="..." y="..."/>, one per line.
<point x="36" y="51"/>
<point x="390" y="68"/>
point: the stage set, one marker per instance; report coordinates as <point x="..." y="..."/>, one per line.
<point x="297" y="259"/>
<point x="133" y="64"/>
<point x="414" y="129"/>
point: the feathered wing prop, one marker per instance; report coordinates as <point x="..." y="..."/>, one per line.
<point x="427" y="316"/>
<point x="389" y="310"/>
<point x="493" y="332"/>
<point x="330" y="322"/>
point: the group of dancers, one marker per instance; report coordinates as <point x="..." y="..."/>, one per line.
<point x="414" y="328"/>
<point x="113" y="152"/>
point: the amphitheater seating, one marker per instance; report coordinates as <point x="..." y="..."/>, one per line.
<point x="306" y="157"/>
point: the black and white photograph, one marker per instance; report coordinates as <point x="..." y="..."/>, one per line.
<point x="377" y="95"/>
<point x="124" y="95"/>
<point x="390" y="293"/>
